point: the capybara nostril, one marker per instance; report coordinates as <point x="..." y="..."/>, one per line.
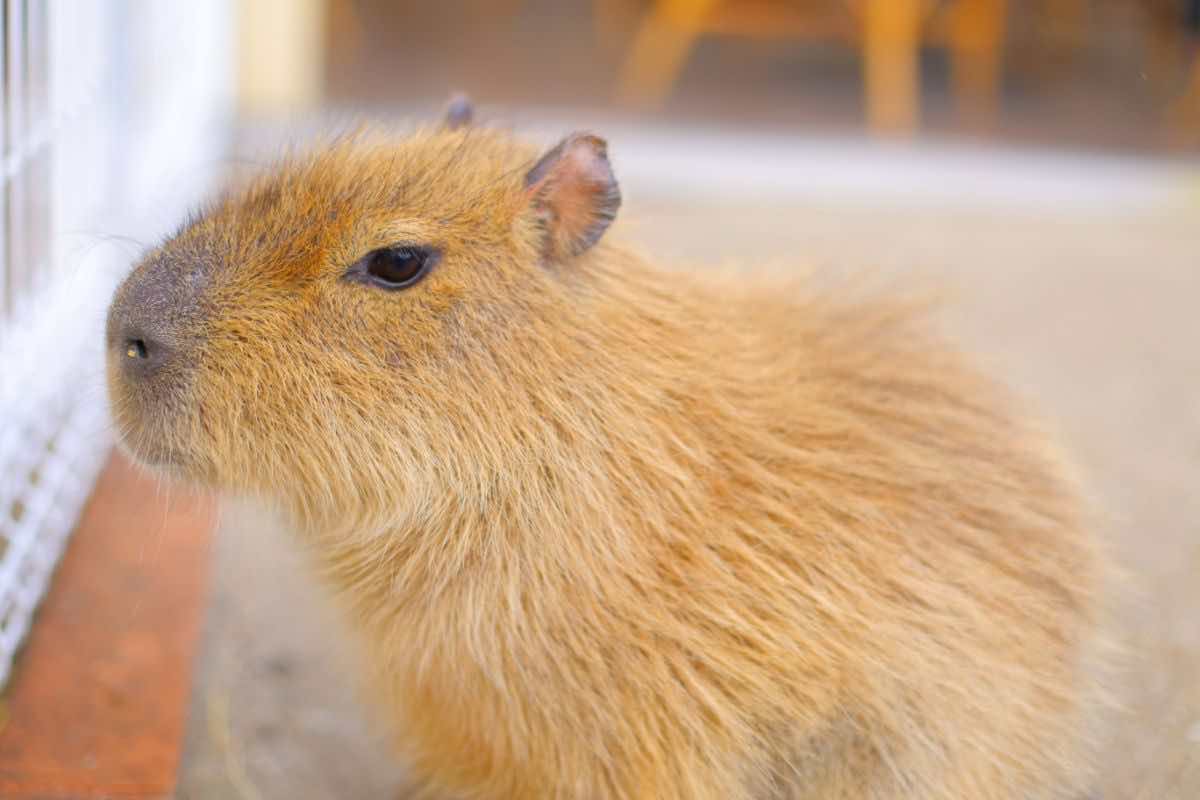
<point x="136" y="348"/>
<point x="139" y="353"/>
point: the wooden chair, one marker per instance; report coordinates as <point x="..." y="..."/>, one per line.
<point x="1175" y="49"/>
<point x="889" y="32"/>
<point x="1185" y="111"/>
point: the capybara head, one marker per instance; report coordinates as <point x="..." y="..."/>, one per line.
<point x="340" y="330"/>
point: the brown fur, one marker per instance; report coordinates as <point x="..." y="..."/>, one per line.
<point x="609" y="530"/>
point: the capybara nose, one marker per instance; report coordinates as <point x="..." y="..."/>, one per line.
<point x="140" y="354"/>
<point x="151" y="314"/>
<point x="143" y="325"/>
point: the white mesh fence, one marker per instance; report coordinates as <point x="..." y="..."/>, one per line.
<point x="115" y="116"/>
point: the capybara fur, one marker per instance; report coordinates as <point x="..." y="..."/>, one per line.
<point x="607" y="529"/>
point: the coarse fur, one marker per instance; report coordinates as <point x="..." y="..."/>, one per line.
<point x="611" y="530"/>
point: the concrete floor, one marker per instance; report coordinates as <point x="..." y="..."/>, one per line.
<point x="1089" y="303"/>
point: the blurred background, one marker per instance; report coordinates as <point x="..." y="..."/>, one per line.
<point x="1096" y="74"/>
<point x="1040" y="158"/>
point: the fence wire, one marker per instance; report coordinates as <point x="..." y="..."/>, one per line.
<point x="114" y="116"/>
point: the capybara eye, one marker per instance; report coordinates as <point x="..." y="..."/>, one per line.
<point x="394" y="267"/>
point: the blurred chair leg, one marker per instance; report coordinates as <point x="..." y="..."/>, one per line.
<point x="1184" y="113"/>
<point x="976" y="40"/>
<point x="892" y="47"/>
<point x="1192" y="98"/>
<point x="660" y="48"/>
<point x="1167" y="46"/>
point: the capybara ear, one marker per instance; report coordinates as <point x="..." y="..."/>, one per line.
<point x="459" y="113"/>
<point x="574" y="194"/>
